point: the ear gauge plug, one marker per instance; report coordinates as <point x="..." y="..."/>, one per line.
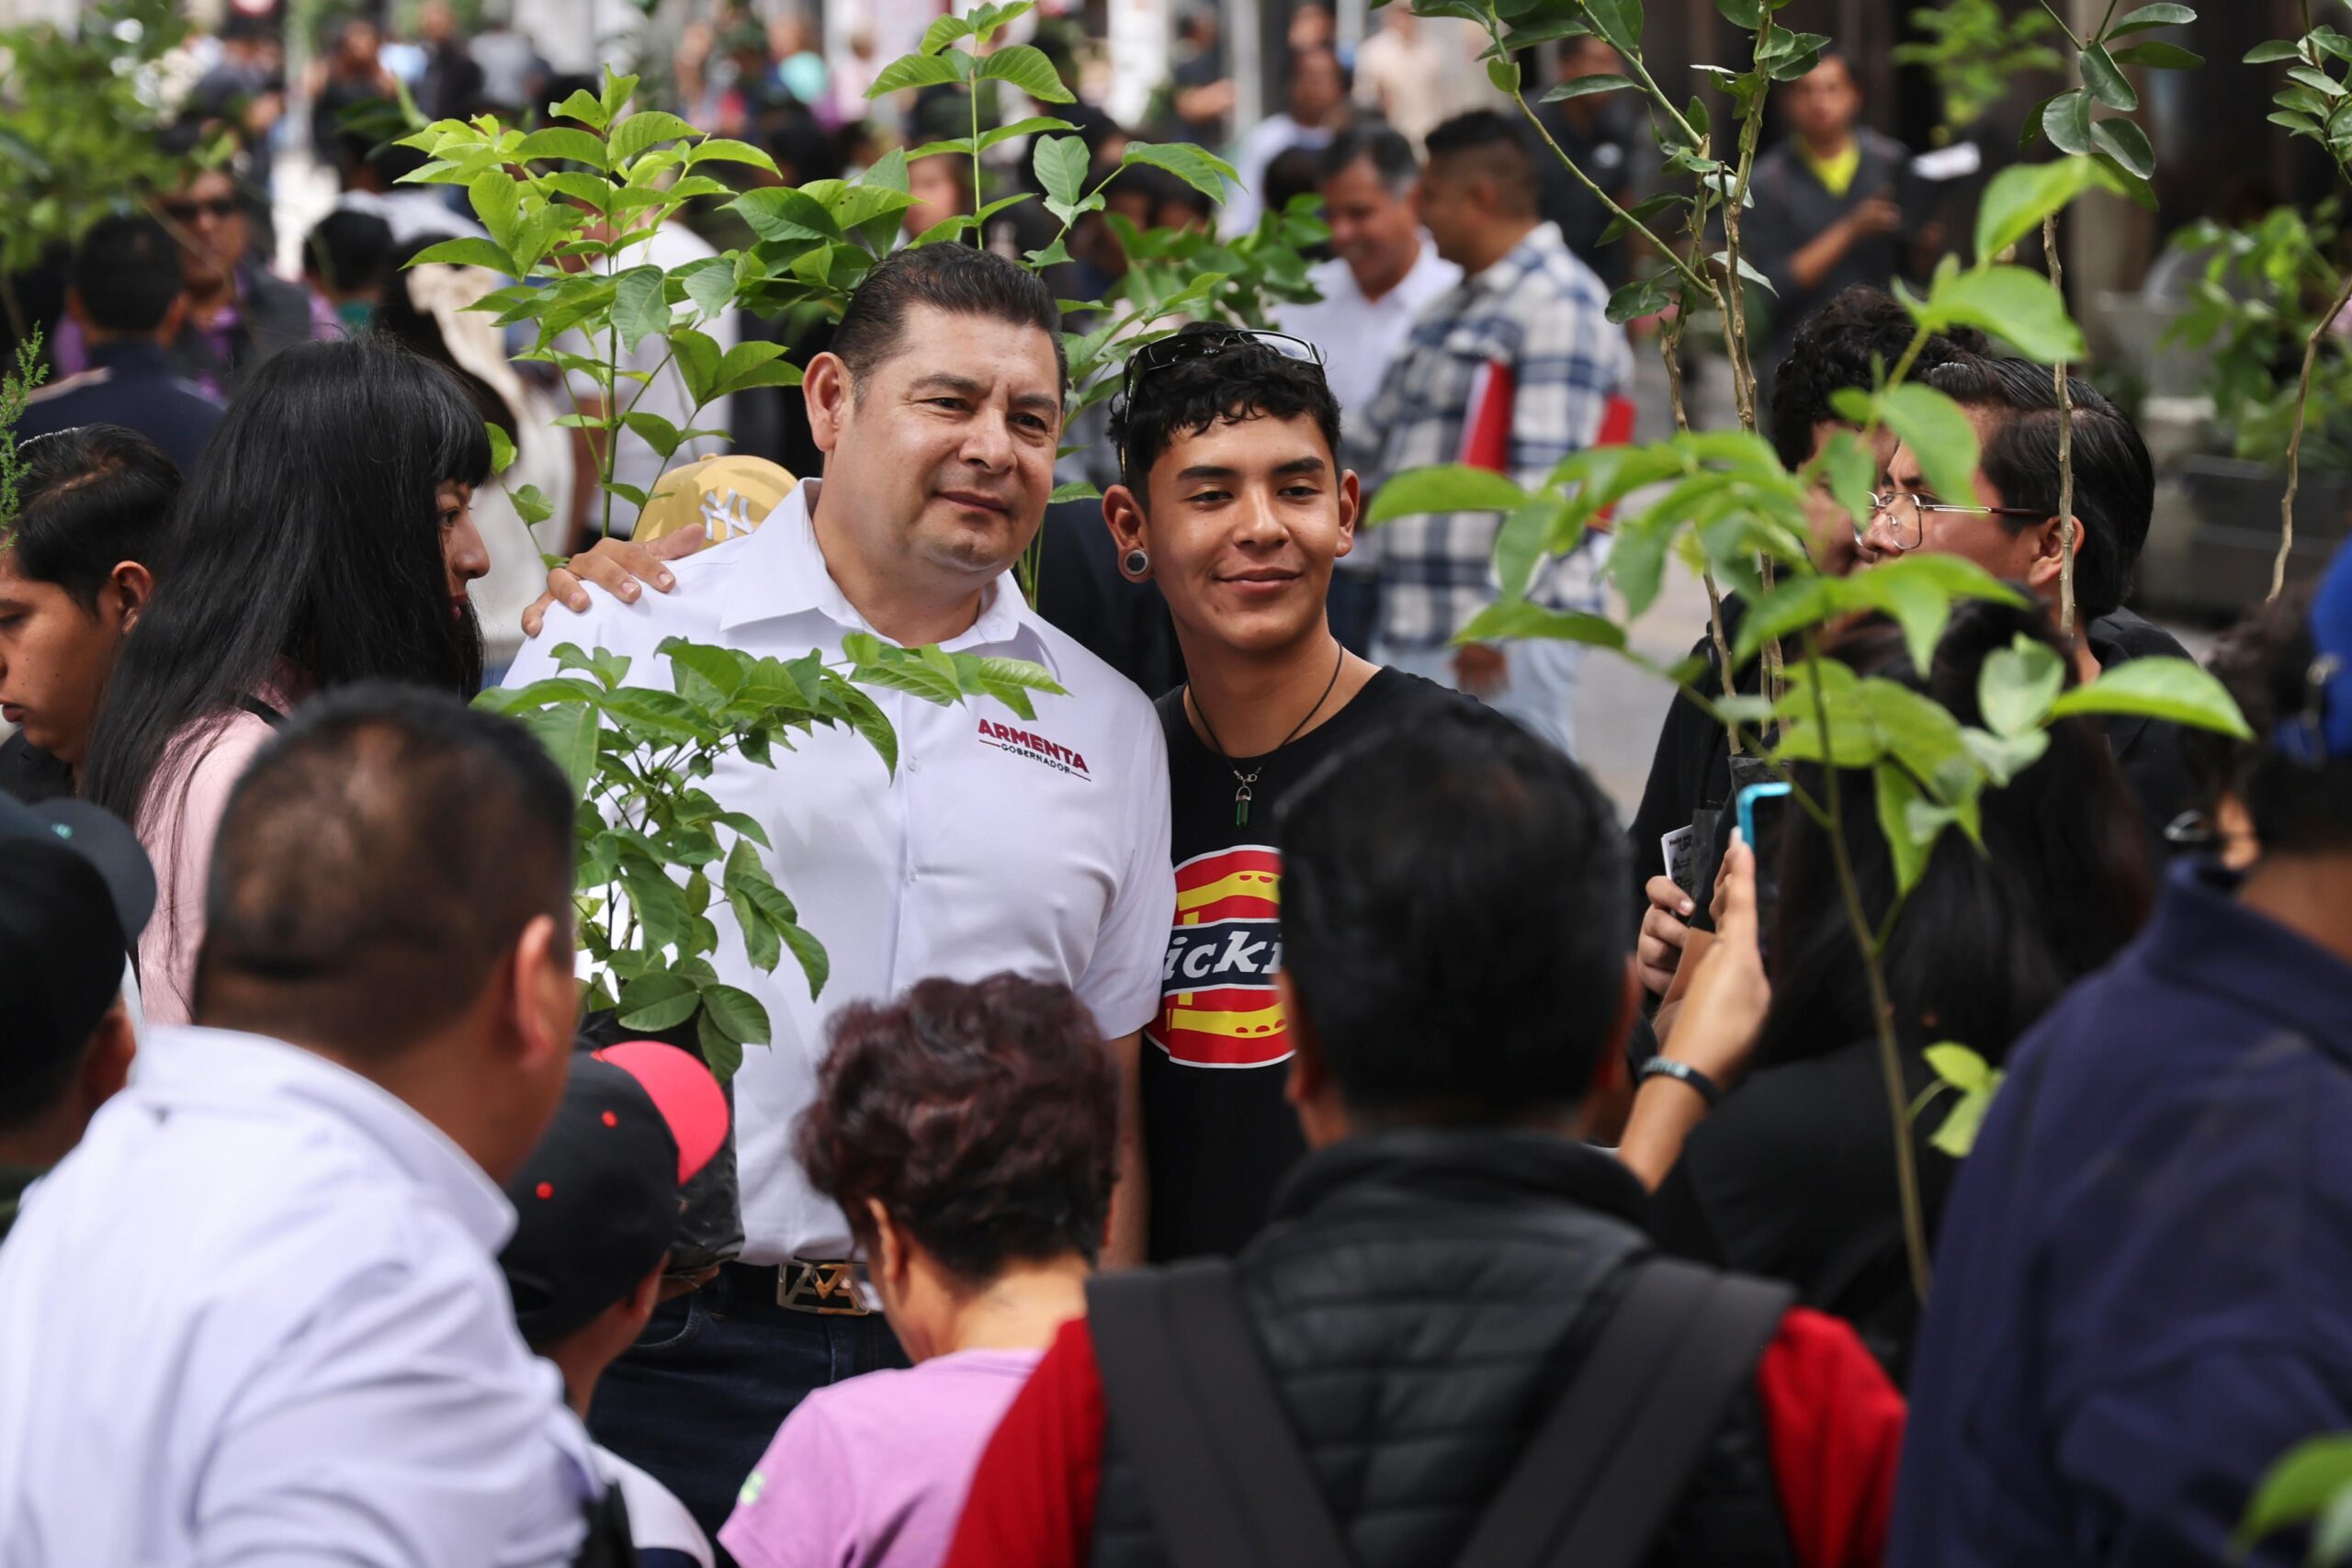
<point x="1135" y="563"/>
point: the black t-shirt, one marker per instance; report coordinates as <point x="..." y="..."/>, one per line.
<point x="30" y="773"/>
<point x="1217" y="1133"/>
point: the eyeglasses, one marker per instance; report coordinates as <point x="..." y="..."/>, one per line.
<point x="1206" y="344"/>
<point x="220" y="206"/>
<point x="1906" y="514"/>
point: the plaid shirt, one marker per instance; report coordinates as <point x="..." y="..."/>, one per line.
<point x="1544" y="315"/>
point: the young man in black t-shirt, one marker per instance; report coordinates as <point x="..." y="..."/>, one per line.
<point x="1234" y="504"/>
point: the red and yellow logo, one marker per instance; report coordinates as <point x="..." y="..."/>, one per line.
<point x="1218" y="1006"/>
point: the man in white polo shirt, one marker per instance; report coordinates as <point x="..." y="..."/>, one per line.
<point x="1001" y="843"/>
<point x="255" y="1316"/>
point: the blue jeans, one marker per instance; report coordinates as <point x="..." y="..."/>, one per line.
<point x="696" y="1399"/>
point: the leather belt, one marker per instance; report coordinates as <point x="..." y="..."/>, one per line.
<point x="825" y="1286"/>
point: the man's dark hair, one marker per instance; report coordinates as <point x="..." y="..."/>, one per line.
<point x="375" y="865"/>
<point x="1849" y="341"/>
<point x="2296" y="806"/>
<point x="127" y="272"/>
<point x="956" y="279"/>
<point x="1483" y="142"/>
<point x="1455" y="916"/>
<point x="2115" y="485"/>
<point x="1290" y="174"/>
<point x="349" y="250"/>
<point x="1244" y="380"/>
<point x="89" y="498"/>
<point x="1384" y="147"/>
<point x="983" y="1117"/>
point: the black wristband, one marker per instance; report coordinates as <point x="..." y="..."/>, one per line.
<point x="1683" y="1072"/>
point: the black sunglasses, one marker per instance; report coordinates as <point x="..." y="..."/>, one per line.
<point x="189" y="211"/>
<point x="1186" y="346"/>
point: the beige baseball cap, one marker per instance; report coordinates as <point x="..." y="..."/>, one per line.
<point x="727" y="496"/>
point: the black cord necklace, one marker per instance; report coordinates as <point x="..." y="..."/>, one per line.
<point x="1247" y="782"/>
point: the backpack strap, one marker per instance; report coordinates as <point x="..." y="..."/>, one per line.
<point x="1596" y="1483"/>
<point x="261" y="710"/>
<point x="1187" y="1383"/>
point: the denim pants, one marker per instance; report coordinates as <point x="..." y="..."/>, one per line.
<point x="696" y="1399"/>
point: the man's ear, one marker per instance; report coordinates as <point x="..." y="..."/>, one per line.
<point x="645" y="1294"/>
<point x="543" y="1005"/>
<point x="130" y="585"/>
<point x="2042" y="573"/>
<point x="825" y="390"/>
<point x="1350" y="510"/>
<point x="105" y="1067"/>
<point x="1123" y="514"/>
<point x="888" y="1259"/>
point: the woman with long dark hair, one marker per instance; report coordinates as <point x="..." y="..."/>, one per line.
<point x="1794" y="1175"/>
<point x="325" y="538"/>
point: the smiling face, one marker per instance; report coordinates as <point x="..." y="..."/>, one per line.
<point x="1372" y="227"/>
<point x="55" y="655"/>
<point x="941" y="455"/>
<point x="1242" y="523"/>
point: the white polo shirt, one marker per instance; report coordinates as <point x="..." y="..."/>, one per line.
<point x="1001" y="844"/>
<point x="256" y="1317"/>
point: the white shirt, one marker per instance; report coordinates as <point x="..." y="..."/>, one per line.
<point x="256" y="1317"/>
<point x="999" y="844"/>
<point x="1260" y="145"/>
<point x="1359" y="337"/>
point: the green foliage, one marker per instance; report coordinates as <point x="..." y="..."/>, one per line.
<point x="78" y="115"/>
<point x="2071" y="120"/>
<point x="14" y="389"/>
<point x="2312" y="1486"/>
<point x="2263" y="294"/>
<point x="1975" y="1080"/>
<point x="1976" y="52"/>
<point x="656" y="850"/>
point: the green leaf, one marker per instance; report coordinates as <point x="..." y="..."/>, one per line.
<point x="2016" y="684"/>
<point x="1957" y="1136"/>
<point x="1524" y="539"/>
<point x="2278" y="49"/>
<point x="709" y="284"/>
<point x="782" y="213"/>
<point x="2067" y="120"/>
<point x="2105" y="81"/>
<point x="1504" y="75"/>
<point x="562" y="143"/>
<point x="759" y="905"/>
<point x="915" y="70"/>
<point x="1076" y="490"/>
<point x="721" y="1054"/>
<point x="569" y="730"/>
<point x="1923" y="737"/>
<point x="2298" y="1487"/>
<point x="1584" y="86"/>
<point x="2012" y="302"/>
<point x="1508" y="618"/>
<point x="584" y="106"/>
<point x="1026" y="67"/>
<point x="1960" y="1066"/>
<point x="2146" y="16"/>
<point x="814" y="963"/>
<point x="737" y="1012"/>
<point x="943" y="31"/>
<point x="1034" y="125"/>
<point x="727" y="150"/>
<point x="1896" y="793"/>
<point x="533" y="507"/>
<point x="2174" y="690"/>
<point x="502" y="450"/>
<point x="473" y="251"/>
<point x="2319" y="81"/>
<point x="1619" y="21"/>
<point x="1940" y="434"/>
<point x="1795" y="602"/>
<point x="1450" y="487"/>
<point x="640" y="306"/>
<point x="1643" y="297"/>
<point x="2124" y="141"/>
<point x="2020" y="197"/>
<point x="1746" y="14"/>
<point x="2158" y="56"/>
<point x="644" y="131"/>
<point x="1203" y="171"/>
<point x="1918" y="590"/>
<point x="2004" y="758"/>
<point x="658" y="1000"/>
<point x="1061" y="163"/>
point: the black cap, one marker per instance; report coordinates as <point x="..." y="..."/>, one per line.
<point x="596" y="1204"/>
<point x="98" y="836"/>
<point x="75" y="891"/>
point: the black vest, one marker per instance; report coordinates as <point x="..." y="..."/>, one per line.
<point x="1423" y="1297"/>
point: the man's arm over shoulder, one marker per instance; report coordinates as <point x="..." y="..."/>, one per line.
<point x="1834" y="1427"/>
<point x="1032" y="1498"/>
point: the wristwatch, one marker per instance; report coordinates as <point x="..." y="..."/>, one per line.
<point x="1683" y="1072"/>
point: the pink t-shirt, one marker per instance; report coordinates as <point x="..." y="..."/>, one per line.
<point x="177" y="824"/>
<point x="873" y="1472"/>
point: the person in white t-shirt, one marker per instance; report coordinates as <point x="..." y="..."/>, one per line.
<point x="1383" y="270"/>
<point x="1316" y="108"/>
<point x="1038" y="846"/>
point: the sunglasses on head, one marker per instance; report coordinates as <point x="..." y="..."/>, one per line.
<point x="189" y="211"/>
<point x="1187" y="347"/>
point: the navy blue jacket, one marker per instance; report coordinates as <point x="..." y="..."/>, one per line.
<point x="131" y="384"/>
<point x="2144" y="1292"/>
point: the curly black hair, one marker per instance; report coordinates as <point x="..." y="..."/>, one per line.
<point x="1244" y="380"/>
<point x="1835" y="349"/>
<point x="2296" y="806"/>
<point x="983" y="1117"/>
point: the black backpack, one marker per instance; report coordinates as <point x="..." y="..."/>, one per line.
<point x="1229" y="1487"/>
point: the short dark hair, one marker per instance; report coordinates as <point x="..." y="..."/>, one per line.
<point x="126" y="274"/>
<point x="962" y="279"/>
<point x="2115" y="484"/>
<point x="1382" y="146"/>
<point x="1290" y="174"/>
<point x="1493" y="146"/>
<point x="374" y="865"/>
<point x="1246" y="379"/>
<point x="349" y="250"/>
<point x="1454" y="917"/>
<point x="2297" y="806"/>
<point x="89" y="498"/>
<point x="983" y="1117"/>
<point x="1847" y="344"/>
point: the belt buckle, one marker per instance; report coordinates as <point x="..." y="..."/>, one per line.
<point x="827" y="1289"/>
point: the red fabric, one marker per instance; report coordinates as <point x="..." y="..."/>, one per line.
<point x="1032" y="1504"/>
<point x="1832" y="1421"/>
<point x="1486" y="434"/>
<point x="1835" y="1425"/>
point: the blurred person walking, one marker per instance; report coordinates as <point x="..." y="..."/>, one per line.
<point x="1315" y="110"/>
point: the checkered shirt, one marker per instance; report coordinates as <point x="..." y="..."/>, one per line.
<point x="1544" y="313"/>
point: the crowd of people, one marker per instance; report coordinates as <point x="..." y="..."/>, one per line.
<point x="1265" y="1107"/>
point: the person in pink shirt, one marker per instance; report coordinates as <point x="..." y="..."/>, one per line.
<point x="970" y="1133"/>
<point x="325" y="538"/>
